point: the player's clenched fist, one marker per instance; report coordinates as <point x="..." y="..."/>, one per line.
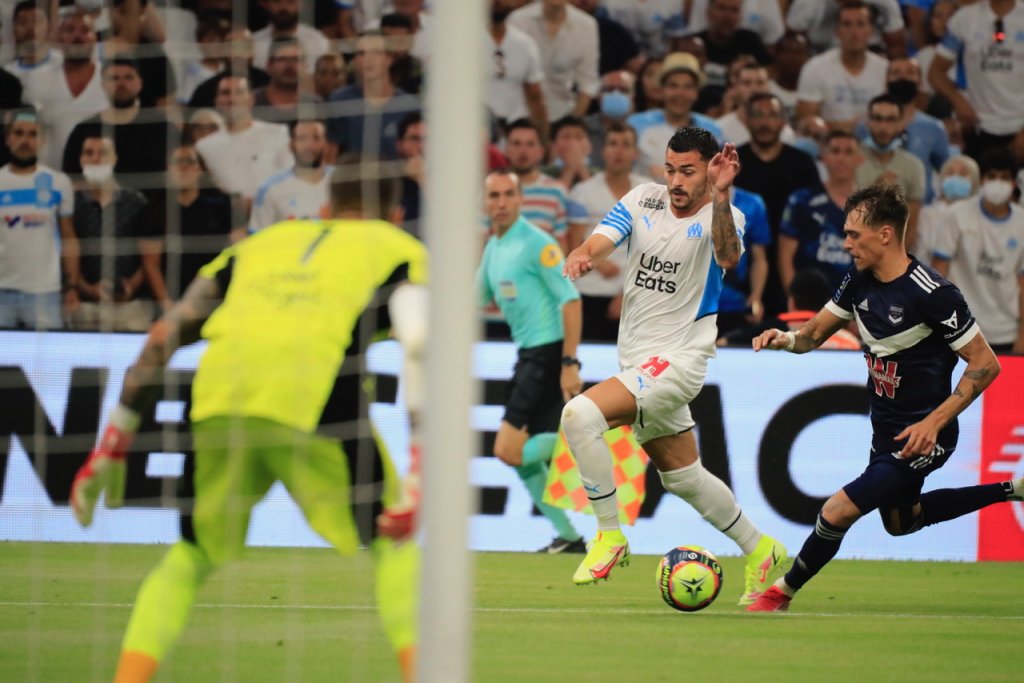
<point x="577" y="264"/>
<point x="774" y="340"/>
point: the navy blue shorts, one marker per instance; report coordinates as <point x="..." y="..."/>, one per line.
<point x="892" y="482"/>
<point x="535" y="393"/>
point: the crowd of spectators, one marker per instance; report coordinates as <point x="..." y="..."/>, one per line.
<point x="141" y="137"/>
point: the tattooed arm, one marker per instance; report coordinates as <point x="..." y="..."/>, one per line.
<point x="722" y="171"/>
<point x="178" y="327"/>
<point x="810" y="336"/>
<point x="982" y="368"/>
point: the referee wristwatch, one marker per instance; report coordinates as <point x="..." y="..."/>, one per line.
<point x="571" y="360"/>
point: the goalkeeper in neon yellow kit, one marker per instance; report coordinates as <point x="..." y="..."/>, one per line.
<point x="281" y="310"/>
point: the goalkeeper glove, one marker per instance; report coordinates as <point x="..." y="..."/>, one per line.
<point x="398" y="521"/>
<point x="106" y="468"/>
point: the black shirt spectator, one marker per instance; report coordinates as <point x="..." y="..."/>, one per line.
<point x="205" y="93"/>
<point x="122" y="219"/>
<point x="10" y="98"/>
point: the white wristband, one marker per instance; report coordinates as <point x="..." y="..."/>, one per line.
<point x="790" y="340"/>
<point x="125" y="419"/>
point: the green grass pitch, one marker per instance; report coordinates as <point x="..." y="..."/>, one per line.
<point x="307" y="615"/>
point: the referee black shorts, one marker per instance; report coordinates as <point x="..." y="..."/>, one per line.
<point x="535" y="392"/>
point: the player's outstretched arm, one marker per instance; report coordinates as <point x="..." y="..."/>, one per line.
<point x="722" y="171"/>
<point x="105" y="469"/>
<point x="585" y="257"/>
<point x="982" y="368"/>
<point x="810" y="336"/>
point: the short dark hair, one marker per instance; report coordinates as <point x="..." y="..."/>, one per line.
<point x="396" y="20"/>
<point x="881" y="204"/>
<point x="694" y="139"/>
<point x="293" y="125"/>
<point x="839" y="134"/>
<point x="810" y="289"/>
<point x="278" y="44"/>
<point x="620" y="127"/>
<point x="885" y="98"/>
<point x="997" y="159"/>
<point x="524" y="124"/>
<point x="568" y="121"/>
<point x="506" y="171"/>
<point x="366" y="185"/>
<point x="407" y="122"/>
<point x="847" y="5"/>
<point x="121" y="61"/>
<point x="26" y="5"/>
<point x="764" y="97"/>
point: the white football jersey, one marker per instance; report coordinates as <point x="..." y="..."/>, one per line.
<point x="673" y="282"/>
<point x="286" y="197"/>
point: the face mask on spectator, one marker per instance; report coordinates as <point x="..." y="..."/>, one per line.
<point x="97" y="174"/>
<point x="870" y="143"/>
<point x="808" y="146"/>
<point x="903" y="91"/>
<point x="615" y="104"/>
<point x="996" y="191"/>
<point x="956" y="187"/>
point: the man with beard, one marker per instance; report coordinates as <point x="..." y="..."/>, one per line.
<point x="924" y="136"/>
<point x="282" y="100"/>
<point x="66" y="93"/>
<point x="773" y="170"/>
<point x="31" y="27"/>
<point x="238" y="61"/>
<point x="301" y="191"/>
<point x="140" y="134"/>
<point x="884" y="161"/>
<point x="545" y="200"/>
<point x="284" y="23"/>
<point x="679" y="236"/>
<point x="37" y="206"/>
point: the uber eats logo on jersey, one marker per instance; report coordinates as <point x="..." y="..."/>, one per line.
<point x="652" y="268"/>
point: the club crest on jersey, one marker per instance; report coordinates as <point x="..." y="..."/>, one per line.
<point x="695" y="232"/>
<point x="883" y="375"/>
<point x="895" y="314"/>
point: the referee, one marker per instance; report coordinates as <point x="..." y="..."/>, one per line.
<point x="521" y="272"/>
<point x="281" y="310"/>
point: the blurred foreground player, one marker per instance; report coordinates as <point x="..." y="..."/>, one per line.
<point x="281" y="310"/>
<point x="914" y="324"/>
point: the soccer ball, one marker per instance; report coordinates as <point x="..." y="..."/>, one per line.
<point x="689" y="578"/>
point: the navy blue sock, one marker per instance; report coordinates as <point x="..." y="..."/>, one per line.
<point x="820" y="547"/>
<point x="945" y="504"/>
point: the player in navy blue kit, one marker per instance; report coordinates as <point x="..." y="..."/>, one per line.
<point x="914" y="324"/>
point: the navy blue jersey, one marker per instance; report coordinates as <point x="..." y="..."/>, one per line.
<point x="814" y="220"/>
<point x="912" y="328"/>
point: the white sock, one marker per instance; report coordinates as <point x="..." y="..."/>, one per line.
<point x="714" y="501"/>
<point x="584" y="427"/>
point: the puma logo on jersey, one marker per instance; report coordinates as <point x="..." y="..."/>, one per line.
<point x="950" y="321"/>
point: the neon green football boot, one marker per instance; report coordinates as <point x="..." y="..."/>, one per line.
<point x="764" y="565"/>
<point x="609" y="549"/>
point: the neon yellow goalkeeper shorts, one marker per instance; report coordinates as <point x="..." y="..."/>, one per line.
<point x="238" y="459"/>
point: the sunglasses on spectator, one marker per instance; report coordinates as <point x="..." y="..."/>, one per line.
<point x="499" y="64"/>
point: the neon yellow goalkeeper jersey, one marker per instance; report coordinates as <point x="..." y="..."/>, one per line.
<point x="300" y="296"/>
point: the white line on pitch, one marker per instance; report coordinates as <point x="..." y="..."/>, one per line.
<point x="527" y="610"/>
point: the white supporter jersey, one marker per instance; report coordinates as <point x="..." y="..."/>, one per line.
<point x="31" y="207"/>
<point x="673" y="282"/>
<point x="285" y="197"/>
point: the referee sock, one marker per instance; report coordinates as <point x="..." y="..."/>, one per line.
<point x="539" y="448"/>
<point x="819" y="548"/>
<point x="161" y="610"/>
<point x="714" y="501"/>
<point x="535" y="478"/>
<point x="584" y="427"/>
<point x="943" y="505"/>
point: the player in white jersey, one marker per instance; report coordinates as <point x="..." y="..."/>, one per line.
<point x="680" y="238"/>
<point x="301" y="191"/>
<point x="36" y="203"/>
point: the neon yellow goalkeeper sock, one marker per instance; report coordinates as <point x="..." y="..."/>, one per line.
<point x="397" y="588"/>
<point x="164" y="601"/>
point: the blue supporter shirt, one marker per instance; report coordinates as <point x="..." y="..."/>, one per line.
<point x="643" y="120"/>
<point x="736" y="286"/>
<point x="816" y="223"/>
<point x="521" y="271"/>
